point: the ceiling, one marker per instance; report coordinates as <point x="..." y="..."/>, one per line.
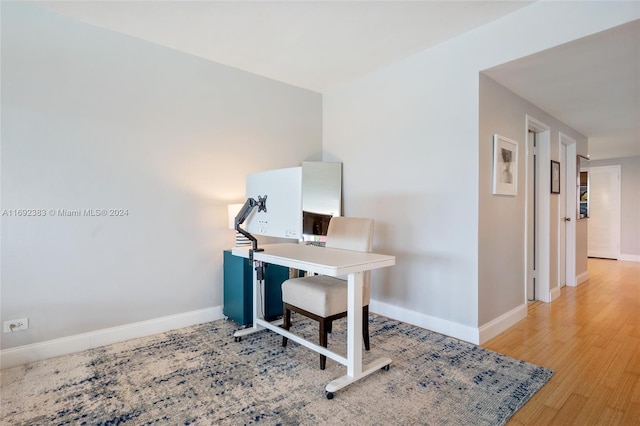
<point x="591" y="84"/>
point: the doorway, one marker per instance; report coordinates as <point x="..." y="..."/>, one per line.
<point x="604" y="212"/>
<point x="567" y="205"/>
<point x="537" y="232"/>
<point x="532" y="223"/>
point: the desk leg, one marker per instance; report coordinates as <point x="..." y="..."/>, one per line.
<point x="257" y="313"/>
<point x="354" y="324"/>
<point x="354" y="339"/>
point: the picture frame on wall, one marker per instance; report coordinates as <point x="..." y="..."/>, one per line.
<point x="505" y="166"/>
<point x="555" y="177"/>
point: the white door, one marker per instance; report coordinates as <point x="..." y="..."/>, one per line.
<point x="604" y="212"/>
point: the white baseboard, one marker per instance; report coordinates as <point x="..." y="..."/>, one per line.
<point x="449" y="328"/>
<point x="491" y="329"/>
<point x="80" y="342"/>
<point x="580" y="278"/>
<point x="554" y="293"/>
<point x="630" y="257"/>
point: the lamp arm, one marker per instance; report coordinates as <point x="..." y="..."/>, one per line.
<point x="244" y="213"/>
<point x="254" y="241"/>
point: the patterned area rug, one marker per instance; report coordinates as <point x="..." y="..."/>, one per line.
<point x="199" y="375"/>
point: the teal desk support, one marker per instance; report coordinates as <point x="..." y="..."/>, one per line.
<point x="238" y="289"/>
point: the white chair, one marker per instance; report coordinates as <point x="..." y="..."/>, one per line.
<point x="324" y="298"/>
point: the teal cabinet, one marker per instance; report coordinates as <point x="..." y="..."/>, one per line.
<point x="238" y="289"/>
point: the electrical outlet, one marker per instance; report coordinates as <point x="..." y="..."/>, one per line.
<point x="16" y="325"/>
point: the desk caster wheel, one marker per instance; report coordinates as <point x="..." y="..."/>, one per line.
<point x="329" y="395"/>
<point x="385" y="368"/>
<point x="237" y="338"/>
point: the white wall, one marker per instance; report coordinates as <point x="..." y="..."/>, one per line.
<point x="502" y="238"/>
<point x="629" y="204"/>
<point x="92" y="119"/>
<point x="408" y="135"/>
<point x="417" y="178"/>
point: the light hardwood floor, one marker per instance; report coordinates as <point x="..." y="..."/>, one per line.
<point x="590" y="337"/>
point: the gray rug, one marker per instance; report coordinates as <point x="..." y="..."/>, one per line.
<point x="199" y="375"/>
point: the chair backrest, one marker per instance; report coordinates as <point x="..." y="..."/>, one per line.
<point x="350" y="233"/>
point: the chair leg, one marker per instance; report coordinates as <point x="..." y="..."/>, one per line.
<point x="286" y="324"/>
<point x="323" y="341"/>
<point x="365" y="326"/>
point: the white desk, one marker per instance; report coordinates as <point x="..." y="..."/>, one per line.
<point x="325" y="261"/>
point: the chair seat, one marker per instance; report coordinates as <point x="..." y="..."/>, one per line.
<point x="323" y="298"/>
<point x="319" y="294"/>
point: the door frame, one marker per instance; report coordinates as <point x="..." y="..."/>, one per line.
<point x="570" y="200"/>
<point x="542" y="214"/>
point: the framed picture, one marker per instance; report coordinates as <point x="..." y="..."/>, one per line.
<point x="555" y="177"/>
<point x="505" y="166"/>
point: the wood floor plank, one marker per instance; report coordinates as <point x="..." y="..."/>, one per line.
<point x="617" y="367"/>
<point x="620" y="399"/>
<point x="631" y="415"/>
<point x="597" y="403"/>
<point x="570" y="409"/>
<point x="590" y="337"/>
<point x="612" y="417"/>
<point x="634" y="363"/>
<point x="635" y="395"/>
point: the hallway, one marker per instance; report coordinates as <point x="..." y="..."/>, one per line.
<point x="590" y="337"/>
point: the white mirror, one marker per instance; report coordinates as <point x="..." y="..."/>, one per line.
<point x="321" y="197"/>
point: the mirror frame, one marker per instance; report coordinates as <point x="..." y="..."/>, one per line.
<point x="582" y="187"/>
